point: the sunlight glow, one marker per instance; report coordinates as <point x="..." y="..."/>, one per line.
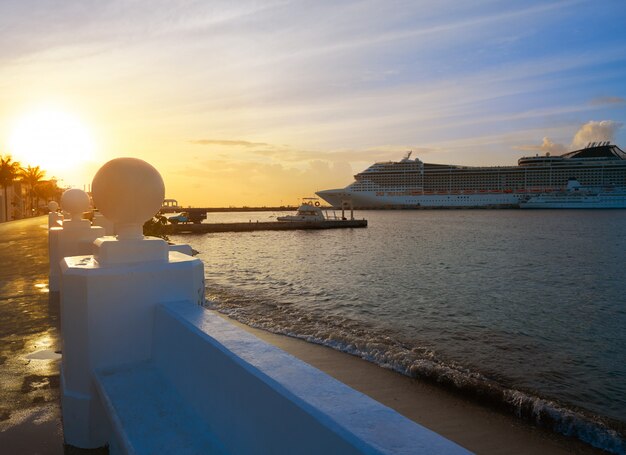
<point x="52" y="139"/>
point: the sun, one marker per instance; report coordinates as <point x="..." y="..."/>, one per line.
<point x="51" y="138"/>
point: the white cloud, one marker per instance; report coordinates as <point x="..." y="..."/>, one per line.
<point x="595" y="131"/>
<point x="608" y="100"/>
<point x="591" y="131"/>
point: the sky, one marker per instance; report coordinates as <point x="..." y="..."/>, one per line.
<point x="263" y="103"/>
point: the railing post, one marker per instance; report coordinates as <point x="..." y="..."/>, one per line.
<point x="55" y="219"/>
<point x="108" y="299"/>
<point x="75" y="236"/>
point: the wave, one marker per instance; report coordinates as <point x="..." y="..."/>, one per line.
<point x="360" y="339"/>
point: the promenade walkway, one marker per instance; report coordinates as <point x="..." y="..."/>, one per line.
<point x="30" y="417"/>
<point x="30" y="414"/>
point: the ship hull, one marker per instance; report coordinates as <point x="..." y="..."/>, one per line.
<point x="388" y="200"/>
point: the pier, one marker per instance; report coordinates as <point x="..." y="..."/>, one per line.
<point x="205" y="228"/>
<point x="177" y="208"/>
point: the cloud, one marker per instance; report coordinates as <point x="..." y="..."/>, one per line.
<point x="603" y="100"/>
<point x="448" y="28"/>
<point x="268" y="154"/>
<point x="595" y="131"/>
<point x="382" y="153"/>
<point x="590" y="132"/>
<point x="227" y="183"/>
<point x="228" y="143"/>
<point x="547" y="146"/>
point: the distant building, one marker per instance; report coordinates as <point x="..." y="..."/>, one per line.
<point x="20" y="203"/>
<point x="14" y="206"/>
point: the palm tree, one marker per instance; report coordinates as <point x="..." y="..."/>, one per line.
<point x="48" y="190"/>
<point x="32" y="176"/>
<point x="9" y="170"/>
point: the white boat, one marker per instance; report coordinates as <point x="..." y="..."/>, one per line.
<point x="411" y="183"/>
<point x="576" y="196"/>
<point x="306" y="212"/>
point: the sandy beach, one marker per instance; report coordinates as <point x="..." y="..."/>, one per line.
<point x="473" y="426"/>
<point x="29" y="377"/>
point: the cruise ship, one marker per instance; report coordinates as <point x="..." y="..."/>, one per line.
<point x="410" y="183"/>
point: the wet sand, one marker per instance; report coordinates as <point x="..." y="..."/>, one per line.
<point x="30" y="419"/>
<point x="473" y="426"/>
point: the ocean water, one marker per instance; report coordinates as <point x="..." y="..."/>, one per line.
<point x="525" y="310"/>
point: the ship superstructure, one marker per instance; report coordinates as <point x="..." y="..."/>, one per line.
<point x="410" y="183"/>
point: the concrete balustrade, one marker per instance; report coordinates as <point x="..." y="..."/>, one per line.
<point x="55" y="219"/>
<point x="146" y="369"/>
<point x="74" y="237"/>
<point x="255" y="398"/>
<point x="99" y="220"/>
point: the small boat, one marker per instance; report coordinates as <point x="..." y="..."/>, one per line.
<point x="308" y="211"/>
<point x="575" y="196"/>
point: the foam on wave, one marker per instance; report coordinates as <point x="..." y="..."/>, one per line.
<point x="359" y="339"/>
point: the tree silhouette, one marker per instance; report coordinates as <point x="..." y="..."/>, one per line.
<point x="32" y="176"/>
<point x="48" y="190"/>
<point x="9" y="170"/>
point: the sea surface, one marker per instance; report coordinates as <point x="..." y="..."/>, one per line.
<point x="525" y="310"/>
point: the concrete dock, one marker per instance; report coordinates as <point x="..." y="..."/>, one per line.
<point x="262" y="226"/>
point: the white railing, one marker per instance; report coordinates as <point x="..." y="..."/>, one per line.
<point x="145" y="369"/>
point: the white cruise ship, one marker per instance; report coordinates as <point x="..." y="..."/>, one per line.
<point x="411" y="183"/>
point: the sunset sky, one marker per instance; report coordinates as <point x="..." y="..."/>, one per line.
<point x="259" y="103"/>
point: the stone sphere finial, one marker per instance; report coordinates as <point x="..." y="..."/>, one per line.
<point x="75" y="202"/>
<point x="53" y="206"/>
<point x="128" y="191"/>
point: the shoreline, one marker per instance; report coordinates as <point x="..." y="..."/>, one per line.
<point x="473" y="426"/>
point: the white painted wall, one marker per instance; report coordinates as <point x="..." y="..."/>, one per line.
<point x="107" y="315"/>
<point x="75" y="238"/>
<point x="257" y="399"/>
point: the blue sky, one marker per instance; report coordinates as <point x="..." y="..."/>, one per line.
<point x="298" y="96"/>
